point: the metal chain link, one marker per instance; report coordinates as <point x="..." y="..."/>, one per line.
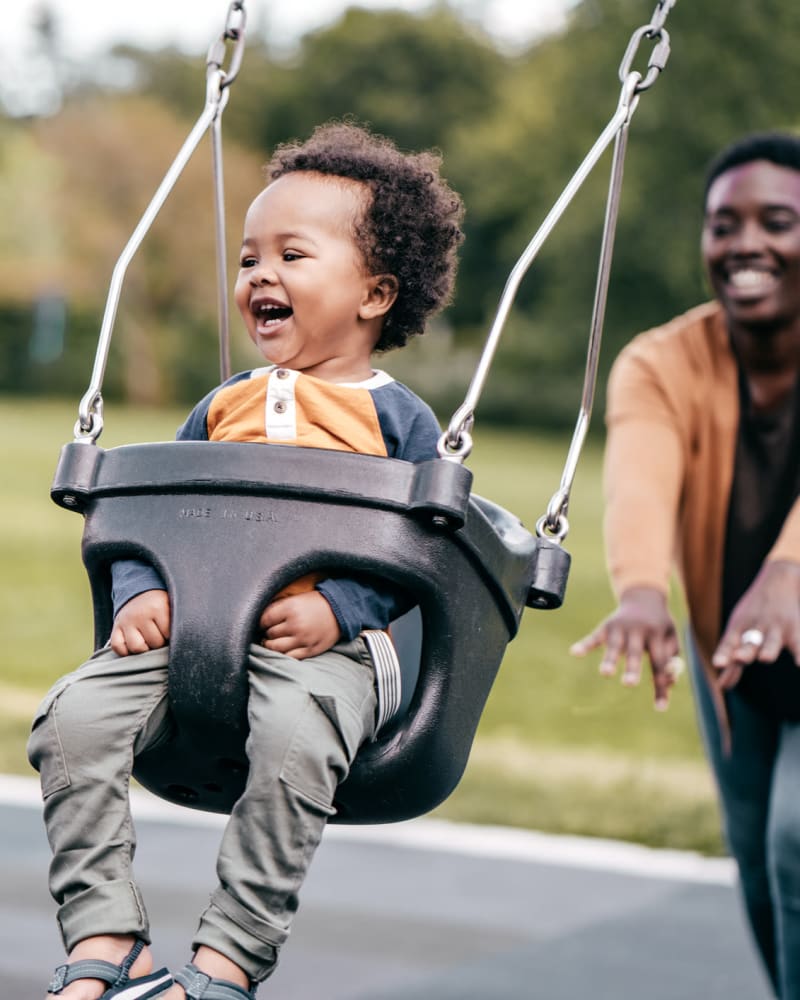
<point x="654" y="31"/>
<point x="660" y="14"/>
<point x="234" y="32"/>
<point x="219" y="80"/>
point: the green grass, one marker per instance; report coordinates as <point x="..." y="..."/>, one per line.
<point x="558" y="748"/>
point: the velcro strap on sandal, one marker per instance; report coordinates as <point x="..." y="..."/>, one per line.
<point x="95" y="968"/>
<point x="198" y="986"/>
<point x="88" y="968"/>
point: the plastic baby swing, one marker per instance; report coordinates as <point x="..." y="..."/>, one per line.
<point x="272" y="513"/>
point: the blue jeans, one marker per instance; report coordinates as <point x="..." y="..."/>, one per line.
<point x="759" y="791"/>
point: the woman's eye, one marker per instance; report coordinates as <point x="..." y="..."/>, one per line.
<point x="780" y="223"/>
<point x="720" y="229"/>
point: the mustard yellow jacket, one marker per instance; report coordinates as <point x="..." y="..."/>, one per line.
<point x="672" y="417"/>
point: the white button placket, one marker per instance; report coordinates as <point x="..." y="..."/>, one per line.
<point x="280" y="416"/>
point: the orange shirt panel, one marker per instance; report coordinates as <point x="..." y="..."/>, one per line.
<point x="341" y="418"/>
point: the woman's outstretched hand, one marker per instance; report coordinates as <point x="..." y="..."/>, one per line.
<point x="765" y="621"/>
<point x="641" y="626"/>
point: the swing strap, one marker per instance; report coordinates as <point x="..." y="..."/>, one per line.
<point x="89" y="424"/>
<point x="456" y="442"/>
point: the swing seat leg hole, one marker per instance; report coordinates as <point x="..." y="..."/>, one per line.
<point x="233" y="766"/>
<point x="181" y="793"/>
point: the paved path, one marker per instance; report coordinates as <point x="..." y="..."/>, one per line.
<point x="424" y="911"/>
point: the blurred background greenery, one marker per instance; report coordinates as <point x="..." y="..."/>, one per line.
<point x="557" y="749"/>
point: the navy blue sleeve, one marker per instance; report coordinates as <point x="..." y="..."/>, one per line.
<point x="195" y="426"/>
<point x="130" y="577"/>
<point x="362" y="603"/>
<point x="409" y="427"/>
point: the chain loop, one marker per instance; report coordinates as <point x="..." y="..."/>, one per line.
<point x="455" y="450"/>
<point x="556" y="511"/>
<point x="89" y="425"/>
<point x="451" y="444"/>
<point x="654" y="31"/>
<point x="658" y="57"/>
<point x="556" y="532"/>
<point x="663" y="7"/>
<point x="232" y="32"/>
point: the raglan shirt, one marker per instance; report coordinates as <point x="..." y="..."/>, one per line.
<point x="379" y="416"/>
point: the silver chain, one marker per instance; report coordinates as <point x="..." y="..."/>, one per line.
<point x="455" y="443"/>
<point x="89" y="424"/>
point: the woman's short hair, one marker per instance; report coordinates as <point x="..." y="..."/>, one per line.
<point x="780" y="148"/>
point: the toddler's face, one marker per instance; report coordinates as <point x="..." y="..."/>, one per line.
<point x="302" y="288"/>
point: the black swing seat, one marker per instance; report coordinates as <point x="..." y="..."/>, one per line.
<point x="229" y="524"/>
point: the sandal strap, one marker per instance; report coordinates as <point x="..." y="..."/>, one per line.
<point x="95" y="968"/>
<point x="157" y="984"/>
<point x="199" y="986"/>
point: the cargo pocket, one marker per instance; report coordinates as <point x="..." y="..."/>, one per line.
<point x="45" y="751"/>
<point x="316" y="760"/>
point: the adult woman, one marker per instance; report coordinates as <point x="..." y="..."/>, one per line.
<point x="703" y="467"/>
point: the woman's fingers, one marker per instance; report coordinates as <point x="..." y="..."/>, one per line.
<point x="589" y="642"/>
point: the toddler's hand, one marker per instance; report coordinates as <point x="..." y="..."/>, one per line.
<point x="302" y="625"/>
<point x="142" y="623"/>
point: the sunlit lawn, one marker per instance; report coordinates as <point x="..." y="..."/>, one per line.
<point x="558" y="748"/>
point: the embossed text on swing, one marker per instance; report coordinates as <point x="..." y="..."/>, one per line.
<point x="226" y="514"/>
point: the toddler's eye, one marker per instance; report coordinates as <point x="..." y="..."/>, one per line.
<point x="290" y="255"/>
<point x="247" y="262"/>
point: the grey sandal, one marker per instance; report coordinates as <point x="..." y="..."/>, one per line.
<point x="118" y="977"/>
<point x="199" y="986"/>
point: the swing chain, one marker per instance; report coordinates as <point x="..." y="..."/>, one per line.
<point x="217" y="51"/>
<point x="654" y="31"/>
<point x="660" y="14"/>
<point x="89" y="424"/>
<point x="456" y="443"/>
<point x="553" y="523"/>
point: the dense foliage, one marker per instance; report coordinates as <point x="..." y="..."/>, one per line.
<point x="512" y="129"/>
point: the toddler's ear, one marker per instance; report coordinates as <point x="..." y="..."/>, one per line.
<point x="380" y="295"/>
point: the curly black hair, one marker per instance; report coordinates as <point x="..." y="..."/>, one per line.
<point x="780" y="148"/>
<point x="411" y="226"/>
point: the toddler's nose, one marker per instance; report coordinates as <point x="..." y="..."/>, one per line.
<point x="264" y="274"/>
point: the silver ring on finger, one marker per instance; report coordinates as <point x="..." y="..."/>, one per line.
<point x="753" y="637"/>
<point x="674" y="667"/>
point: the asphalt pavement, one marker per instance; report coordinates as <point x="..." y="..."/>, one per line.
<point x="422" y="911"/>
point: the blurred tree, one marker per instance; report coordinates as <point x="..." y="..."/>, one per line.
<point x="410" y="76"/>
<point x="84" y="179"/>
<point x="512" y="130"/>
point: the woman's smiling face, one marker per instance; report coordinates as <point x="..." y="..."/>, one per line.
<point x="751" y="244"/>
